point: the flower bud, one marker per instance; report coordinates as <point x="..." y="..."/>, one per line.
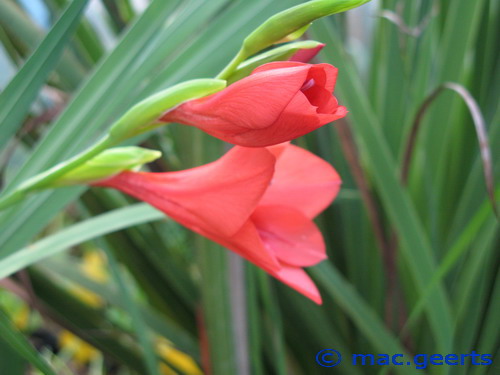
<point x="107" y="164"/>
<point x="278" y="102"/>
<point x="291" y="23"/>
<point x="286" y="26"/>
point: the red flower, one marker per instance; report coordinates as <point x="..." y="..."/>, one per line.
<point x="257" y="202"/>
<point x="278" y="102"/>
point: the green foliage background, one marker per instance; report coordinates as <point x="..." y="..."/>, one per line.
<point x="413" y="268"/>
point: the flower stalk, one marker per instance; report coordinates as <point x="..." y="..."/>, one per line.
<point x="44" y="179"/>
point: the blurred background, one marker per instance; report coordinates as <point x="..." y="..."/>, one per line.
<point x="101" y="284"/>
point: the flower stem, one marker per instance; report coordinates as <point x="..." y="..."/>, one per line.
<point x="233" y="64"/>
<point x="44" y="179"/>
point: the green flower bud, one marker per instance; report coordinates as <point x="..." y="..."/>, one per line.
<point x="142" y="117"/>
<point x="107" y="164"/>
<point x="286" y="23"/>
<point x="286" y="26"/>
<point x="295" y="35"/>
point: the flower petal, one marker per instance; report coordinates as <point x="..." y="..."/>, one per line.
<point x="307" y="54"/>
<point x="278" y="102"/>
<point x="298" y="118"/>
<point x="321" y="98"/>
<point x="299" y="280"/>
<point x="338" y="114"/>
<point x="248" y="244"/>
<point x="301" y="180"/>
<point x="279" y="65"/>
<point x="216" y="198"/>
<point x="287" y="233"/>
<point x="254" y="102"/>
<point x="325" y="75"/>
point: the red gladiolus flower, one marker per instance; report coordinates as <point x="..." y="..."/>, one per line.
<point x="257" y="202"/>
<point x="278" y="102"/>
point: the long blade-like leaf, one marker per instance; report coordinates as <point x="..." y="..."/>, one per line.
<point x="78" y="233"/>
<point x="18" y="342"/>
<point x="18" y="96"/>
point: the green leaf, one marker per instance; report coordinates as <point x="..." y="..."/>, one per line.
<point x="108" y="91"/>
<point x="360" y="312"/>
<point x="78" y="233"/>
<point x="17" y="98"/>
<point x="10" y="361"/>
<point x="18" y="342"/>
<point x="142" y="332"/>
<point x="415" y="245"/>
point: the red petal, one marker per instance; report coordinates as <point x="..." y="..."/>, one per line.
<point x="278" y="149"/>
<point x="325" y="75"/>
<point x="287" y="233"/>
<point x="298" y="118"/>
<point x="306" y="55"/>
<point x="339" y="113"/>
<point x="300" y="281"/>
<point x="248" y="244"/>
<point x="301" y="180"/>
<point x="279" y="65"/>
<point x="216" y="198"/>
<point x="321" y="98"/>
<point x="254" y="102"/>
<point x="267" y="107"/>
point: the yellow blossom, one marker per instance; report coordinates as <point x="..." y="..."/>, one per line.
<point x="94" y="267"/>
<point x="81" y="351"/>
<point x="180" y="360"/>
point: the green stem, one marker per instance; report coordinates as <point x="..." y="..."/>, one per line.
<point x="44" y="179"/>
<point x="233" y="64"/>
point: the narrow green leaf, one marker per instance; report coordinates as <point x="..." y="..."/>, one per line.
<point x="274" y="328"/>
<point x="217" y="315"/>
<point x="78" y="233"/>
<point x="481" y="218"/>
<point x="10" y="361"/>
<point x="360" y="312"/>
<point x="141" y="331"/>
<point x="18" y="96"/>
<point x="26" y="35"/>
<point x="488" y="340"/>
<point x="19" y="343"/>
<point x="415" y="245"/>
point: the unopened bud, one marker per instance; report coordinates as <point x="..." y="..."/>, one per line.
<point x="292" y="22"/>
<point x="107" y="164"/>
